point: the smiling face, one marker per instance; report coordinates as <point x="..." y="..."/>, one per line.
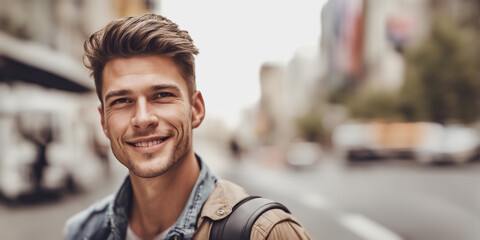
<point x="148" y="114"/>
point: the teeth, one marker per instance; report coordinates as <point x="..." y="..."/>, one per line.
<point x="148" y="144"/>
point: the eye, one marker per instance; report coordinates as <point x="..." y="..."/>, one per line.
<point x="164" y="95"/>
<point x="119" y="101"/>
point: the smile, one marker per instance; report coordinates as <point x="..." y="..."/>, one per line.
<point x="147" y="143"/>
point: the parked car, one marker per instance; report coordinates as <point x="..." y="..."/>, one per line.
<point x="453" y="144"/>
<point x="354" y="141"/>
<point x="379" y="140"/>
<point x="303" y="154"/>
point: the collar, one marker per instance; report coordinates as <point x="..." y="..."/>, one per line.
<point x="118" y="210"/>
<point x="221" y="201"/>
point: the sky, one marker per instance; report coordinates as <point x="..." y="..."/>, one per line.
<point x="235" y="38"/>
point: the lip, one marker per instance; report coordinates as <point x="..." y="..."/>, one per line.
<point x="147" y="144"/>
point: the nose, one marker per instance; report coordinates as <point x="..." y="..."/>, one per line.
<point x="143" y="117"/>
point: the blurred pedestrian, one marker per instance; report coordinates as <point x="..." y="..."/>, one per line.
<point x="234" y="148"/>
<point x="145" y="78"/>
<point x="41" y="136"/>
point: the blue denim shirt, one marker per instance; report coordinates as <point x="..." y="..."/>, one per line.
<point x="108" y="218"/>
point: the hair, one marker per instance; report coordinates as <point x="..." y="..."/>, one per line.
<point x="144" y="35"/>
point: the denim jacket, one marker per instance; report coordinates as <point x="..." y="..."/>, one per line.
<point x="108" y="218"/>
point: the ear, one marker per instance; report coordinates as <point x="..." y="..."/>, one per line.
<point x="198" y="109"/>
<point x="102" y="120"/>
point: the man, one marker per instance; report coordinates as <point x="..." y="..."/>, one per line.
<point x="145" y="78"/>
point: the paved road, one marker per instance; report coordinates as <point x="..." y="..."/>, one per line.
<point x="376" y="201"/>
<point x="44" y="220"/>
<point x="388" y="200"/>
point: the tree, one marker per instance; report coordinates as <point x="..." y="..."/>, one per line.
<point x="310" y="126"/>
<point x="442" y="79"/>
<point x="374" y="105"/>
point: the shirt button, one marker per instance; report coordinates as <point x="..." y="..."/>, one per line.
<point x="220" y="212"/>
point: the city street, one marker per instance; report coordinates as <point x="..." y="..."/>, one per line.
<point x="387" y="200"/>
<point x="379" y="200"/>
<point x="288" y="90"/>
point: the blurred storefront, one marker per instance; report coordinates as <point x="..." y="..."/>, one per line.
<point x="50" y="137"/>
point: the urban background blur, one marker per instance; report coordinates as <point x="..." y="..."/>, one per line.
<point x="370" y="130"/>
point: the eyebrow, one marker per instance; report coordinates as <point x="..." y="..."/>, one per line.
<point x="165" y="86"/>
<point x="116" y="94"/>
<point x="153" y="89"/>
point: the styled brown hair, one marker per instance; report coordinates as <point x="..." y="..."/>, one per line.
<point x="144" y="35"/>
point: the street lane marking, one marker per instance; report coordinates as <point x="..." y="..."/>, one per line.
<point x="317" y="201"/>
<point x="366" y="228"/>
<point x="356" y="223"/>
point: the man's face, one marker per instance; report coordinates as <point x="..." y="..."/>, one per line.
<point x="147" y="114"/>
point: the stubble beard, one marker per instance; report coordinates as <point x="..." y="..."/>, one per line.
<point x="176" y="155"/>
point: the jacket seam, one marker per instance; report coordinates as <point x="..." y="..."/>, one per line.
<point x="272" y="222"/>
<point x="286" y="221"/>
<point x="226" y="203"/>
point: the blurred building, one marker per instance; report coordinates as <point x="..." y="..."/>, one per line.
<point x="270" y="117"/>
<point x="341" y="43"/>
<point x="287" y="93"/>
<point x="391" y="27"/>
<point x="302" y="81"/>
<point x="44" y="38"/>
<point x="63" y="25"/>
<point x="50" y="137"/>
<point x="363" y="41"/>
<point x="361" y="45"/>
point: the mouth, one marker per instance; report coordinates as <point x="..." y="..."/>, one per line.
<point x="147" y="142"/>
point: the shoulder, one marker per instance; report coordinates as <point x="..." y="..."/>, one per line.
<point x="89" y="220"/>
<point x="225" y="195"/>
<point x="222" y="200"/>
<point x="218" y="206"/>
<point x="231" y="192"/>
<point x="273" y="224"/>
<point x="278" y="224"/>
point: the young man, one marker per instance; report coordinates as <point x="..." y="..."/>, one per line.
<point x="145" y="78"/>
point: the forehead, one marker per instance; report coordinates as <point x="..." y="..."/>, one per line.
<point x="140" y="70"/>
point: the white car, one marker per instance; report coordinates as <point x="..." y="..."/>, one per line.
<point x="303" y="154"/>
<point x="354" y="141"/>
<point x="386" y="140"/>
<point x="454" y="144"/>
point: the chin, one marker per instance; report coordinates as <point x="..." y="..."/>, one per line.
<point x="153" y="168"/>
<point x="148" y="174"/>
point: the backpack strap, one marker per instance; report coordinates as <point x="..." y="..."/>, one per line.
<point x="238" y="225"/>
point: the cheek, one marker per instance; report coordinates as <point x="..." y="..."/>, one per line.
<point x="174" y="114"/>
<point x="116" y="123"/>
<point x="177" y="117"/>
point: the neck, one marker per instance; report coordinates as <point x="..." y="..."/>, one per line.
<point x="158" y="202"/>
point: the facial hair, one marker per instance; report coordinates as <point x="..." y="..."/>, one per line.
<point x="177" y="154"/>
